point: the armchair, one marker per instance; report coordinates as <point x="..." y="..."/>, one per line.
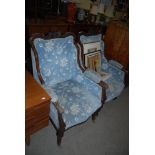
<point x="98" y="67"/>
<point x="56" y="67"/>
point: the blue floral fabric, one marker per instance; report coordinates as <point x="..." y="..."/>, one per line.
<point x="79" y="96"/>
<point x="116" y="72"/>
<point x="57" y="59"/>
<point x="78" y="103"/>
<point x="91" y="74"/>
<point x="116" y="81"/>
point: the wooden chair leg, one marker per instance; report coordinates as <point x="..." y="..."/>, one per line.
<point x="115" y="98"/>
<point x="60" y="134"/>
<point x="61" y="130"/>
<point x="27" y="140"/>
<point x="95" y="114"/>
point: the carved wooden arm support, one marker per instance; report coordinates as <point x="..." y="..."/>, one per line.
<point x="104" y="87"/>
<point x="60" y="110"/>
<point x="58" y="107"/>
<point x="62" y="125"/>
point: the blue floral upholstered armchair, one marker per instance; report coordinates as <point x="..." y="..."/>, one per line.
<point x="98" y="67"/>
<point x="75" y="97"/>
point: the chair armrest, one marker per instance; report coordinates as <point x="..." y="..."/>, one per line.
<point x="54" y="98"/>
<point x="114" y="71"/>
<point x="103" y="84"/>
<point x="58" y="107"/>
<point x="97" y="77"/>
<point x="117" y="72"/>
<point x="92" y="75"/>
<point x="88" y="84"/>
<point x="116" y="64"/>
<point x="104" y="87"/>
<point x="55" y="109"/>
<point x="56" y="115"/>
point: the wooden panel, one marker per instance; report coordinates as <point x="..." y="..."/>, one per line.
<point x="88" y="28"/>
<point x="34" y="93"/>
<point x="47" y="28"/>
<point x="36" y="106"/>
<point x="37" y="112"/>
<point x="37" y="126"/>
<point x="38" y="29"/>
<point x="58" y="23"/>
<point x="117" y="43"/>
<point x="59" y="28"/>
<point x="31" y="123"/>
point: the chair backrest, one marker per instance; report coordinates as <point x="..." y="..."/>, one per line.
<point x="93" y="44"/>
<point x="57" y="59"/>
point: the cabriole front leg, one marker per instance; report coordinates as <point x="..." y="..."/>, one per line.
<point x="103" y="98"/>
<point x="60" y="131"/>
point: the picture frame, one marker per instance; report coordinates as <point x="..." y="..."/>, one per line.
<point x="93" y="61"/>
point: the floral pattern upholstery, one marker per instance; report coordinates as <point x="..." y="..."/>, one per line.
<point x="79" y="96"/>
<point x="78" y="102"/>
<point x="116" y="81"/>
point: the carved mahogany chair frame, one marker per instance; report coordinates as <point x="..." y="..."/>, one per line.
<point x="61" y="129"/>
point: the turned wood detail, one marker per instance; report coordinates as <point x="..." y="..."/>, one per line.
<point x="103" y="98"/>
<point x="104" y="87"/>
<point x="60" y="131"/>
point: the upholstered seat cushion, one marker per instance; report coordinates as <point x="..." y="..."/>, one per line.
<point x="78" y="103"/>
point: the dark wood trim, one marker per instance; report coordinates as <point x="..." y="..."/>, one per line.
<point x="27" y="140"/>
<point x="103" y="98"/>
<point x="36" y="55"/>
<point x="82" y="55"/>
<point x="104" y="87"/>
<point x="62" y="125"/>
<point x="60" y="131"/>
